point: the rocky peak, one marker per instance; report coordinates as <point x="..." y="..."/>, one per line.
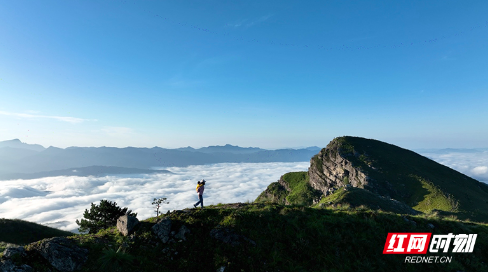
<point x="332" y="168"/>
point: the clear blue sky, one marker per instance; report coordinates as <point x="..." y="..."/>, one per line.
<point x="271" y="74"/>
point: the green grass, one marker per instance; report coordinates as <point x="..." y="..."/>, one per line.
<point x="301" y="193"/>
<point x="275" y="193"/>
<point x="16" y="231"/>
<point x="411" y="178"/>
<point x="357" y="197"/>
<point x="288" y="238"/>
<point x="435" y="200"/>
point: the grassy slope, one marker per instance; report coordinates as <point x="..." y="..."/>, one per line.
<point x="288" y="238"/>
<point x="19" y="232"/>
<point x="301" y="193"/>
<point x="418" y="181"/>
<point x="357" y="197"/>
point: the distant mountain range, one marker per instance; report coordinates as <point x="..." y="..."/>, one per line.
<point x="21" y="160"/>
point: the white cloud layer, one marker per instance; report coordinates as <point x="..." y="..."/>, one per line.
<point x="473" y="163"/>
<point x="59" y="201"/>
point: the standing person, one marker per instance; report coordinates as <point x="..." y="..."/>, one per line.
<point x="200" y="188"/>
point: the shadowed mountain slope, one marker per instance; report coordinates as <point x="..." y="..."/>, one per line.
<point x="388" y="174"/>
<point x="260" y="237"/>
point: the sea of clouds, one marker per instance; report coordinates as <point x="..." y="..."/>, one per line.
<point x="59" y="201"/>
<point x="471" y="162"/>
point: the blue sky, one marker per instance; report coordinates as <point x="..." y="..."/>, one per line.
<point x="271" y="74"/>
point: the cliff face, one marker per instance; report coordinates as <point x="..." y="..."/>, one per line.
<point x="291" y="189"/>
<point x="330" y="169"/>
<point x="276" y="192"/>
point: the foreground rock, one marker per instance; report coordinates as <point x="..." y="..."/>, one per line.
<point x="7" y="264"/>
<point x="182" y="232"/>
<point x="126" y="224"/>
<point x="10" y="252"/>
<point x="62" y="253"/>
<point x="229" y="236"/>
<point x="163" y="229"/>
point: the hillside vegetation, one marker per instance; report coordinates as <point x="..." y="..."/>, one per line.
<point x="358" y="171"/>
<point x="271" y="237"/>
<point x="20" y="232"/>
<point x="335" y="217"/>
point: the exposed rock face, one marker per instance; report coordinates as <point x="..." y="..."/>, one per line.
<point x="163" y="229"/>
<point x="126" y="223"/>
<point x="284" y="184"/>
<point x="182" y="232"/>
<point x="228" y="236"/>
<point x="276" y="192"/>
<point x="7" y="265"/>
<point x="330" y="168"/>
<point x="11" y="251"/>
<point x="62" y="253"/>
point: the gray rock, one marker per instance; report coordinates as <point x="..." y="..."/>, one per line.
<point x="9" y="266"/>
<point x="228" y="236"/>
<point x="62" y="253"/>
<point x="163" y="229"/>
<point x="9" y="252"/>
<point x="413" y="223"/>
<point x="329" y="168"/>
<point x="126" y="223"/>
<point x="182" y="232"/>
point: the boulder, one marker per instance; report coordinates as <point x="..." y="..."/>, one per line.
<point x="126" y="223"/>
<point x="7" y="263"/>
<point x="62" y="253"/>
<point x="9" y="266"/>
<point x="228" y="236"/>
<point x="9" y="252"/>
<point x="182" y="232"/>
<point x="163" y="229"/>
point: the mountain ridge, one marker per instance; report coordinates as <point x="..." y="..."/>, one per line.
<point x="59" y="159"/>
<point x="388" y="172"/>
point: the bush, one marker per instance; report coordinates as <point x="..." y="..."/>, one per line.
<point x="101" y="216"/>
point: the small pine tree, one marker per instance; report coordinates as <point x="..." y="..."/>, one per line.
<point x="102" y="216"/>
<point x="157" y="202"/>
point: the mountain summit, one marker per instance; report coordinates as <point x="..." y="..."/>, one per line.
<point x="16" y="143"/>
<point x="357" y="171"/>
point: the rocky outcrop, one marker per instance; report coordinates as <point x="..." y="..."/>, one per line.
<point x="126" y="223"/>
<point x="182" y="232"/>
<point x="275" y="193"/>
<point x="10" y="252"/>
<point x="163" y="229"/>
<point x="62" y="253"/>
<point x="8" y="265"/>
<point x="229" y="236"/>
<point x="331" y="168"/>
